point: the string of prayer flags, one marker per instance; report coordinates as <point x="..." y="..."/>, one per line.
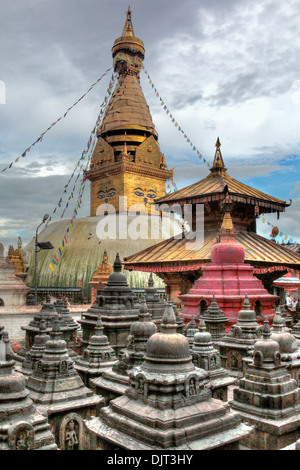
<point x="173" y="120"/>
<point x="281" y="234"/>
<point x="89" y="149"/>
<point x="40" y="138"/>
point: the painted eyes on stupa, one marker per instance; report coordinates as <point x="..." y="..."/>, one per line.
<point x="106" y="194"/>
<point x="150" y="194"/>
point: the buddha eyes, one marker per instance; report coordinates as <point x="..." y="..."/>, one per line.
<point x="104" y="194"/>
<point x="141" y="193"/>
<point x="138" y="193"/>
<point x="101" y="195"/>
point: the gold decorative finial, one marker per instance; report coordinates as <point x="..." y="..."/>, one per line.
<point x="218" y="165"/>
<point x="128" y="27"/>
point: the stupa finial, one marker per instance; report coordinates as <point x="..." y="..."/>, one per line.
<point x="202" y="325"/>
<point x="266" y="332"/>
<point x="246" y="305"/>
<point x="128" y="27"/>
<point x="168" y="321"/>
<point x="151" y="281"/>
<point x="218" y="164"/>
<point x="117" y="264"/>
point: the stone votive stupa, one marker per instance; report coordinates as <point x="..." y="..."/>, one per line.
<point x="239" y="342"/>
<point x="118" y="307"/>
<point x="49" y="315"/>
<point x="21" y="426"/>
<point x="268" y="398"/>
<point x="156" y="306"/>
<point x="207" y="357"/>
<point x="215" y="321"/>
<point x="167" y="405"/>
<point x="288" y="346"/>
<point x="114" y="382"/>
<point x="58" y="391"/>
<point x="97" y="357"/>
<point x="36" y="352"/>
<point x="190" y="330"/>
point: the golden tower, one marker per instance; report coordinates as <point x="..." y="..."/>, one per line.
<point x="127" y="160"/>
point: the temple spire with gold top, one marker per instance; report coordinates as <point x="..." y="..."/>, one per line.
<point x="218" y="165"/>
<point x="127" y="160"/>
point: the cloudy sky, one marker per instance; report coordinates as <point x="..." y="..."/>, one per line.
<point x="223" y="67"/>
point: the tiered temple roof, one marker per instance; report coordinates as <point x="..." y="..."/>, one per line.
<point x="175" y="255"/>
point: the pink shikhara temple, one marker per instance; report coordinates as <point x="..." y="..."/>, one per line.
<point x="227" y="278"/>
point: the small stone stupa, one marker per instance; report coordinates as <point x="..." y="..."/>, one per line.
<point x="215" y="321"/>
<point x="49" y="315"/>
<point x="36" y="352"/>
<point x="156" y="307"/>
<point x="118" y="307"/>
<point x="268" y="398"/>
<point x="190" y="330"/>
<point x="97" y="357"/>
<point x="288" y="346"/>
<point x="167" y="405"/>
<point x="13" y="291"/>
<point x="113" y="383"/>
<point x="59" y="392"/>
<point x="236" y="346"/>
<point x="207" y="357"/>
<point x="21" y="426"/>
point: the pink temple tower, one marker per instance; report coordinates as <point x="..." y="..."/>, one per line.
<point x="228" y="278"/>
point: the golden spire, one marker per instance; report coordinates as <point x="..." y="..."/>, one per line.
<point x="128" y="27"/>
<point x="128" y="51"/>
<point x="218" y="165"/>
<point x="227" y="231"/>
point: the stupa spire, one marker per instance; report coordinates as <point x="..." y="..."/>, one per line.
<point x="128" y="27"/>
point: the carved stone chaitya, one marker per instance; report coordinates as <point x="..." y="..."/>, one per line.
<point x="168" y="405"/>
<point x="97" y="357"/>
<point x="215" y="321"/>
<point x="49" y="315"/>
<point x="156" y="307"/>
<point x="22" y="427"/>
<point x="190" y="330"/>
<point x="288" y="346"/>
<point x="207" y="357"/>
<point x="36" y="352"/>
<point x="113" y="383"/>
<point x="56" y="387"/>
<point x="268" y="398"/>
<point x="118" y="307"/>
<point x="239" y="342"/>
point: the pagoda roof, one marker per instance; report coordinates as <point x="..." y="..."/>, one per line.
<point x="217" y="184"/>
<point x="174" y="254"/>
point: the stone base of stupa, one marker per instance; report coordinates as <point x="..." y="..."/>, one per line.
<point x="270" y="434"/>
<point x="164" y="433"/>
